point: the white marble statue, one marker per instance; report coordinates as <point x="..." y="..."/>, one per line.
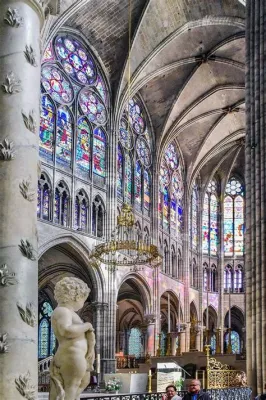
<point x="74" y="358"/>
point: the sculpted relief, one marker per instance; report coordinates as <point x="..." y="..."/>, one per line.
<point x="71" y="366"/>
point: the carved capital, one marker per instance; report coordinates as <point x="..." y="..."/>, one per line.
<point x="149" y="319"/>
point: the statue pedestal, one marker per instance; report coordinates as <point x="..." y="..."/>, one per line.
<point x="131" y="383"/>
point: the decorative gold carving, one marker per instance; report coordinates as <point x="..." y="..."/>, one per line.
<point x="6" y="150"/>
<point x="27" y="250"/>
<point x="30" y="121"/>
<point x="126" y="218"/>
<point x="13" y="18"/>
<point x="222" y="375"/>
<point x="4" y="347"/>
<point x="30" y="55"/>
<point x="28" y="314"/>
<point x="25" y="387"/>
<point x="11" y="85"/>
<point x="7" y="278"/>
<point x="26" y="190"/>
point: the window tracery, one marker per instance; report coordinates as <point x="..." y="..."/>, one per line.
<point x="134" y="148"/>
<point x="235" y="341"/>
<point x="194" y="219"/>
<point x="61" y="204"/>
<point x="44" y="198"/>
<point x="81" y="211"/>
<point x="210" y="220"/>
<point x="98" y="217"/>
<point x="46" y="336"/>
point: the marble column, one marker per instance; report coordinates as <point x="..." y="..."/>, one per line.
<point x="20" y="24"/>
<point x="255" y="173"/>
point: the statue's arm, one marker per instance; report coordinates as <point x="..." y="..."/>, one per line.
<point x="62" y="318"/>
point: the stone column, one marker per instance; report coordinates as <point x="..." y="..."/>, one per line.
<point x="150" y="342"/>
<point x="20" y="24"/>
<point x="255" y="243"/>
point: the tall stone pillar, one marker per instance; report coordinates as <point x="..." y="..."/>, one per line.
<point x="150" y="342"/>
<point x="255" y="238"/>
<point x="20" y="24"/>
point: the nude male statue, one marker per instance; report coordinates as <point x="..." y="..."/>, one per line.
<point x="74" y="358"/>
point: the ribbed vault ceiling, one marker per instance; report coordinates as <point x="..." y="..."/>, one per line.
<point x="187" y="63"/>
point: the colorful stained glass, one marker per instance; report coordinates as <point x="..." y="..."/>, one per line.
<point x="57" y="207"/>
<point x="48" y="54"/>
<point x="239" y="225"/>
<point x="163" y="343"/>
<point x="166" y="204"/>
<point x="83" y="148"/>
<point x="45" y="202"/>
<point x="213" y="344"/>
<point x="83" y="215"/>
<point x="228" y="277"/>
<point x="39" y="194"/>
<point x="52" y="342"/>
<point x="171" y="157"/>
<point x="134" y="343"/>
<point x="228" y="226"/>
<point x="234" y="187"/>
<point x="173" y="215"/>
<point x="92" y="106"/>
<point x="99" y="152"/>
<point x="194" y="217"/>
<point x="119" y="180"/>
<point x="128" y="179"/>
<point x="235" y="342"/>
<point x="138" y="185"/>
<point x="64" y="137"/>
<point x="177" y="185"/>
<point x="47" y="127"/>
<point x="143" y="151"/>
<point x="44" y="338"/>
<point x="180" y="221"/>
<point x="164" y="178"/>
<point x="160" y="206"/>
<point x="64" y="210"/>
<point x="147" y="190"/>
<point x="125" y="135"/>
<point x="100" y="86"/>
<point x="56" y="84"/>
<point x="238" y="279"/>
<point x="46" y="309"/>
<point x="135" y="117"/>
<point x="213" y="224"/>
<point x="205" y="225"/>
<point x="75" y="60"/>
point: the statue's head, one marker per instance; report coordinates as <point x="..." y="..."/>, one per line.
<point x="71" y="291"/>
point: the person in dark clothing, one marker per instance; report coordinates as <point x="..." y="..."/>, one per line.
<point x="194" y="392"/>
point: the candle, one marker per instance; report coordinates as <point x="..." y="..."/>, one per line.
<point x="179" y="312"/>
<point x="207" y="313"/>
<point x="169" y="322"/>
<point x="229" y="315"/>
<point x="98" y="364"/>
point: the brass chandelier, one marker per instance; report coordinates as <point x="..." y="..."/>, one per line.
<point x="126" y="247"/>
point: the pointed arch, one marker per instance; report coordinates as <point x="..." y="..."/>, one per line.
<point x="62" y="204"/>
<point x="44" y="203"/>
<point x="98" y="217"/>
<point x="82" y="210"/>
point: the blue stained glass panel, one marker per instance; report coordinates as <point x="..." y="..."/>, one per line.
<point x="64" y="137"/>
<point x="138" y="185"/>
<point x="235" y="342"/>
<point x="213" y="224"/>
<point x="147" y="190"/>
<point x="45" y="204"/>
<point x="93" y="107"/>
<point x="83" y="151"/>
<point x="171" y="157"/>
<point x="56" y="84"/>
<point x="128" y="179"/>
<point x="56" y="207"/>
<point x="173" y="215"/>
<point x="166" y="203"/>
<point x="134" y="345"/>
<point x="39" y="202"/>
<point x="228" y="226"/>
<point x="44" y="338"/>
<point x="47" y="127"/>
<point x="205" y="225"/>
<point x="99" y="152"/>
<point x="119" y="181"/>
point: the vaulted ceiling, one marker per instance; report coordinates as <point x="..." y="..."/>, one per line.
<point x="187" y="62"/>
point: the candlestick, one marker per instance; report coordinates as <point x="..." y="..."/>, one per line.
<point x="149" y="376"/>
<point x="98" y="364"/>
<point x="179" y="312"/>
<point x="169" y="320"/>
<point x="207" y="312"/>
<point x="229" y="315"/>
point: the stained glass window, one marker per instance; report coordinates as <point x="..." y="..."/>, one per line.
<point x="235" y="342"/>
<point x="135" y="139"/>
<point x="138" y="185"/>
<point x="172" y="187"/>
<point x="228" y="280"/>
<point x="83" y="156"/>
<point x="44" y="198"/>
<point x="47" y="127"/>
<point x="119" y="172"/>
<point x="46" y="337"/>
<point x="81" y="211"/>
<point x="210" y="220"/>
<point x="134" y="345"/>
<point x="61" y="204"/>
<point x="193" y="219"/>
<point x="163" y="343"/>
<point x="99" y="152"/>
<point x="213" y="344"/>
<point x="64" y="136"/>
<point x="234" y="218"/>
<point x="74" y="99"/>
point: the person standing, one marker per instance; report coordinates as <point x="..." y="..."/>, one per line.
<point x="171" y="393"/>
<point x="195" y="393"/>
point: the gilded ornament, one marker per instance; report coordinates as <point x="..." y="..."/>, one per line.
<point x="27" y="250"/>
<point x="28" y="314"/>
<point x="7" y="278"/>
<point x="4" y="347"/>
<point x="30" y="121"/>
<point x="26" y="190"/>
<point x="30" y="56"/>
<point x="6" y="150"/>
<point x="11" y="85"/>
<point x="25" y="387"/>
<point x="13" y="18"/>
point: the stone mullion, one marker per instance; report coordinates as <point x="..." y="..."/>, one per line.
<point x="220" y="323"/>
<point x="200" y="264"/>
<point x="19" y="93"/>
<point x="186" y="269"/>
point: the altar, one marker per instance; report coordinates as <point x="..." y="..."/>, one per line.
<point x="130" y="383"/>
